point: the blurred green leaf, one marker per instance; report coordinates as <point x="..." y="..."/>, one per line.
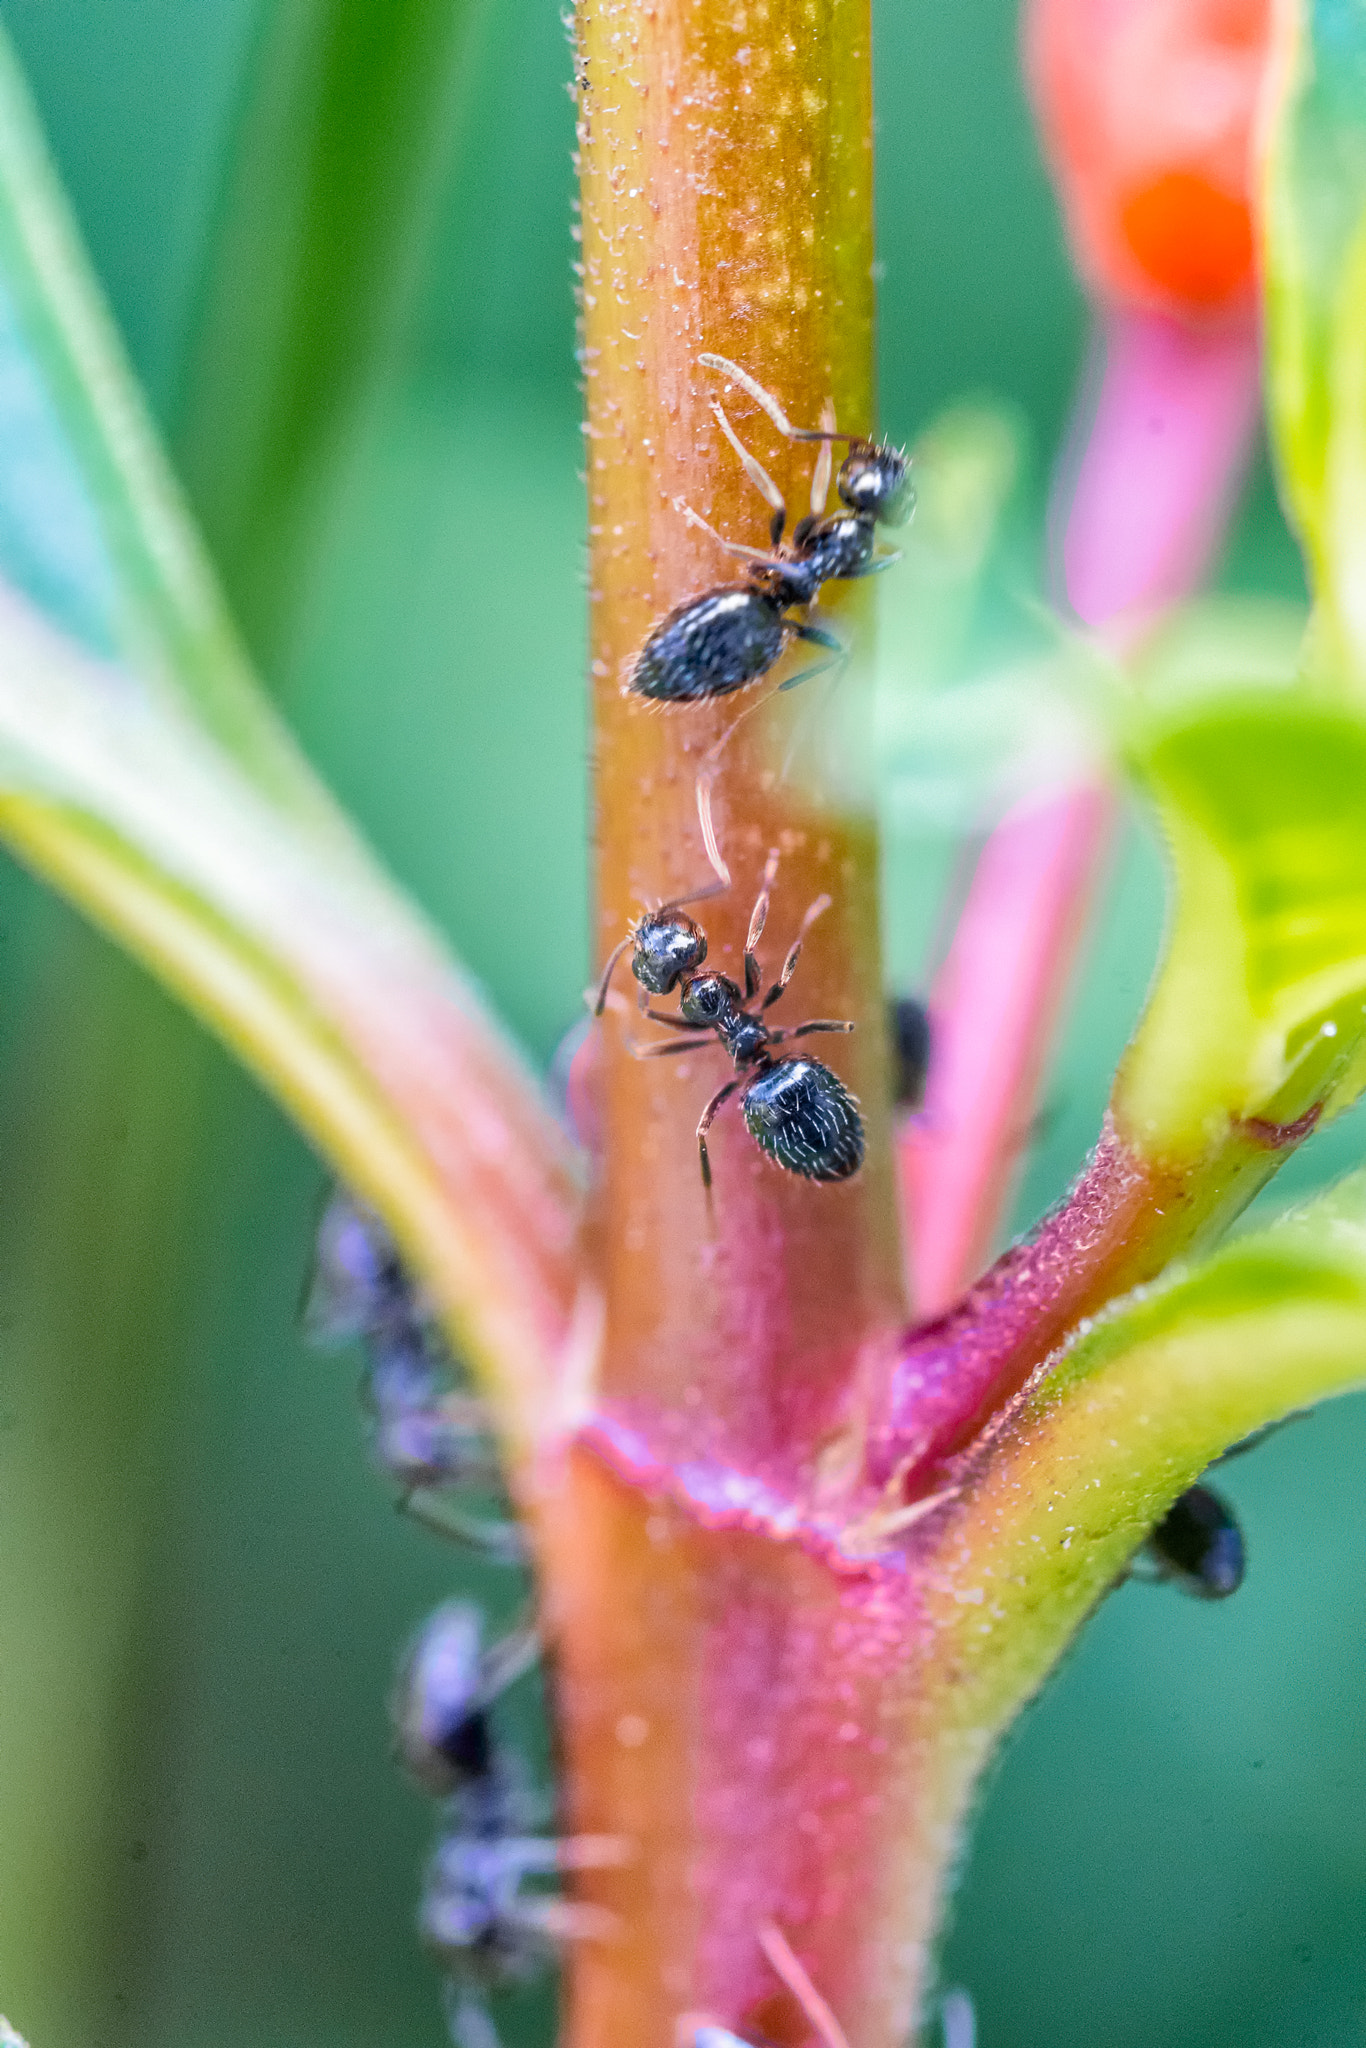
<point x="1260" y="1005"/>
<point x="142" y="772"/>
<point x="1315" y="263"/>
<point x="1136" y="1408"/>
<point x="348" y="110"/>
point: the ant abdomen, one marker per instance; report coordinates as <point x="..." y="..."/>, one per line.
<point x="711" y="646"/>
<point x="805" y="1119"/>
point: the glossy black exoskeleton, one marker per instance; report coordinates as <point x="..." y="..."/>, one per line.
<point x="665" y="945"/>
<point x="910" y="1022"/>
<point x="719" y="642"/>
<point x="1198" y="1546"/>
<point x="796" y="1110"/>
<point x="712" y="645"/>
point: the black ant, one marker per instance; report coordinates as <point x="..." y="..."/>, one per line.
<point x="796" y="1110"/>
<point x="432" y="1439"/>
<point x="729" y="637"/>
<point x="477" y="1914"/>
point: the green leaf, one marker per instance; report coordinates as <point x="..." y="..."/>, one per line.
<point x="1139" y="1404"/>
<point x="1259" y="1010"/>
<point x="1315" y="267"/>
<point x="347" y="116"/>
<point x="142" y="772"/>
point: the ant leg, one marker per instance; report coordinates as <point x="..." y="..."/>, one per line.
<point x="661" y="1048"/>
<point x="805" y="1030"/>
<point x="784" y="1964"/>
<point x="706" y="776"/>
<point x="758" y="919"/>
<point x="694" y="896"/>
<point x="794" y="951"/>
<point x="825" y="463"/>
<point x="675" y="1023"/>
<point x="608" y="971"/>
<point x="731" y="547"/>
<point x="704" y="1124"/>
<point x="499" y="1542"/>
<point x="816" y="636"/>
<point x="757" y="474"/>
<point x="505" y="1663"/>
<point x="957" y="2020"/>
<point x="769" y="402"/>
<point x="467" y="2018"/>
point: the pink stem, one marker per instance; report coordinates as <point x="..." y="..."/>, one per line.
<point x="1164" y="434"/>
<point x="991" y="1018"/>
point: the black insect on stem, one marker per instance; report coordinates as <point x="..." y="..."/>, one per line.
<point x="712" y="645"/>
<point x="796" y="1110"/>
<point x="1198" y="1545"/>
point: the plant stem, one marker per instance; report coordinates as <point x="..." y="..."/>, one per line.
<point x="727" y="206"/>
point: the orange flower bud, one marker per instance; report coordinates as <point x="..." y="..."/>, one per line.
<point x="1146" y="109"/>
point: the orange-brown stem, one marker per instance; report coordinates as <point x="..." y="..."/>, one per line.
<point x="701" y="1649"/>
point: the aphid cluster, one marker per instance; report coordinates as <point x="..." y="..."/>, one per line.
<point x="428" y="1434"/>
<point x="797" y="1111"/>
<point x="482" y="1915"/>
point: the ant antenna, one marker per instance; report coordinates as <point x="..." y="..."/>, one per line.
<point x="770" y="404"/>
<point x="784" y="1963"/>
<point x="825" y="462"/>
<point x="612" y="958"/>
<point x="754" y="469"/>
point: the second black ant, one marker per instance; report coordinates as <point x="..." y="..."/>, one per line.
<point x="797" y="1111"/>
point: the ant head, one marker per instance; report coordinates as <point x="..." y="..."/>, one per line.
<point x="876" y="480"/>
<point x="708" y="999"/>
<point x="668" y="945"/>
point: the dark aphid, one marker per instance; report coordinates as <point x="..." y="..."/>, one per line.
<point x="446" y="1685"/>
<point x="423" y="1433"/>
<point x="910" y="1022"/>
<point x="796" y="1110"/>
<point x="1198" y="1545"/>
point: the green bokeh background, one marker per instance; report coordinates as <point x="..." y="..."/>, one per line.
<point x="1172" y="1850"/>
